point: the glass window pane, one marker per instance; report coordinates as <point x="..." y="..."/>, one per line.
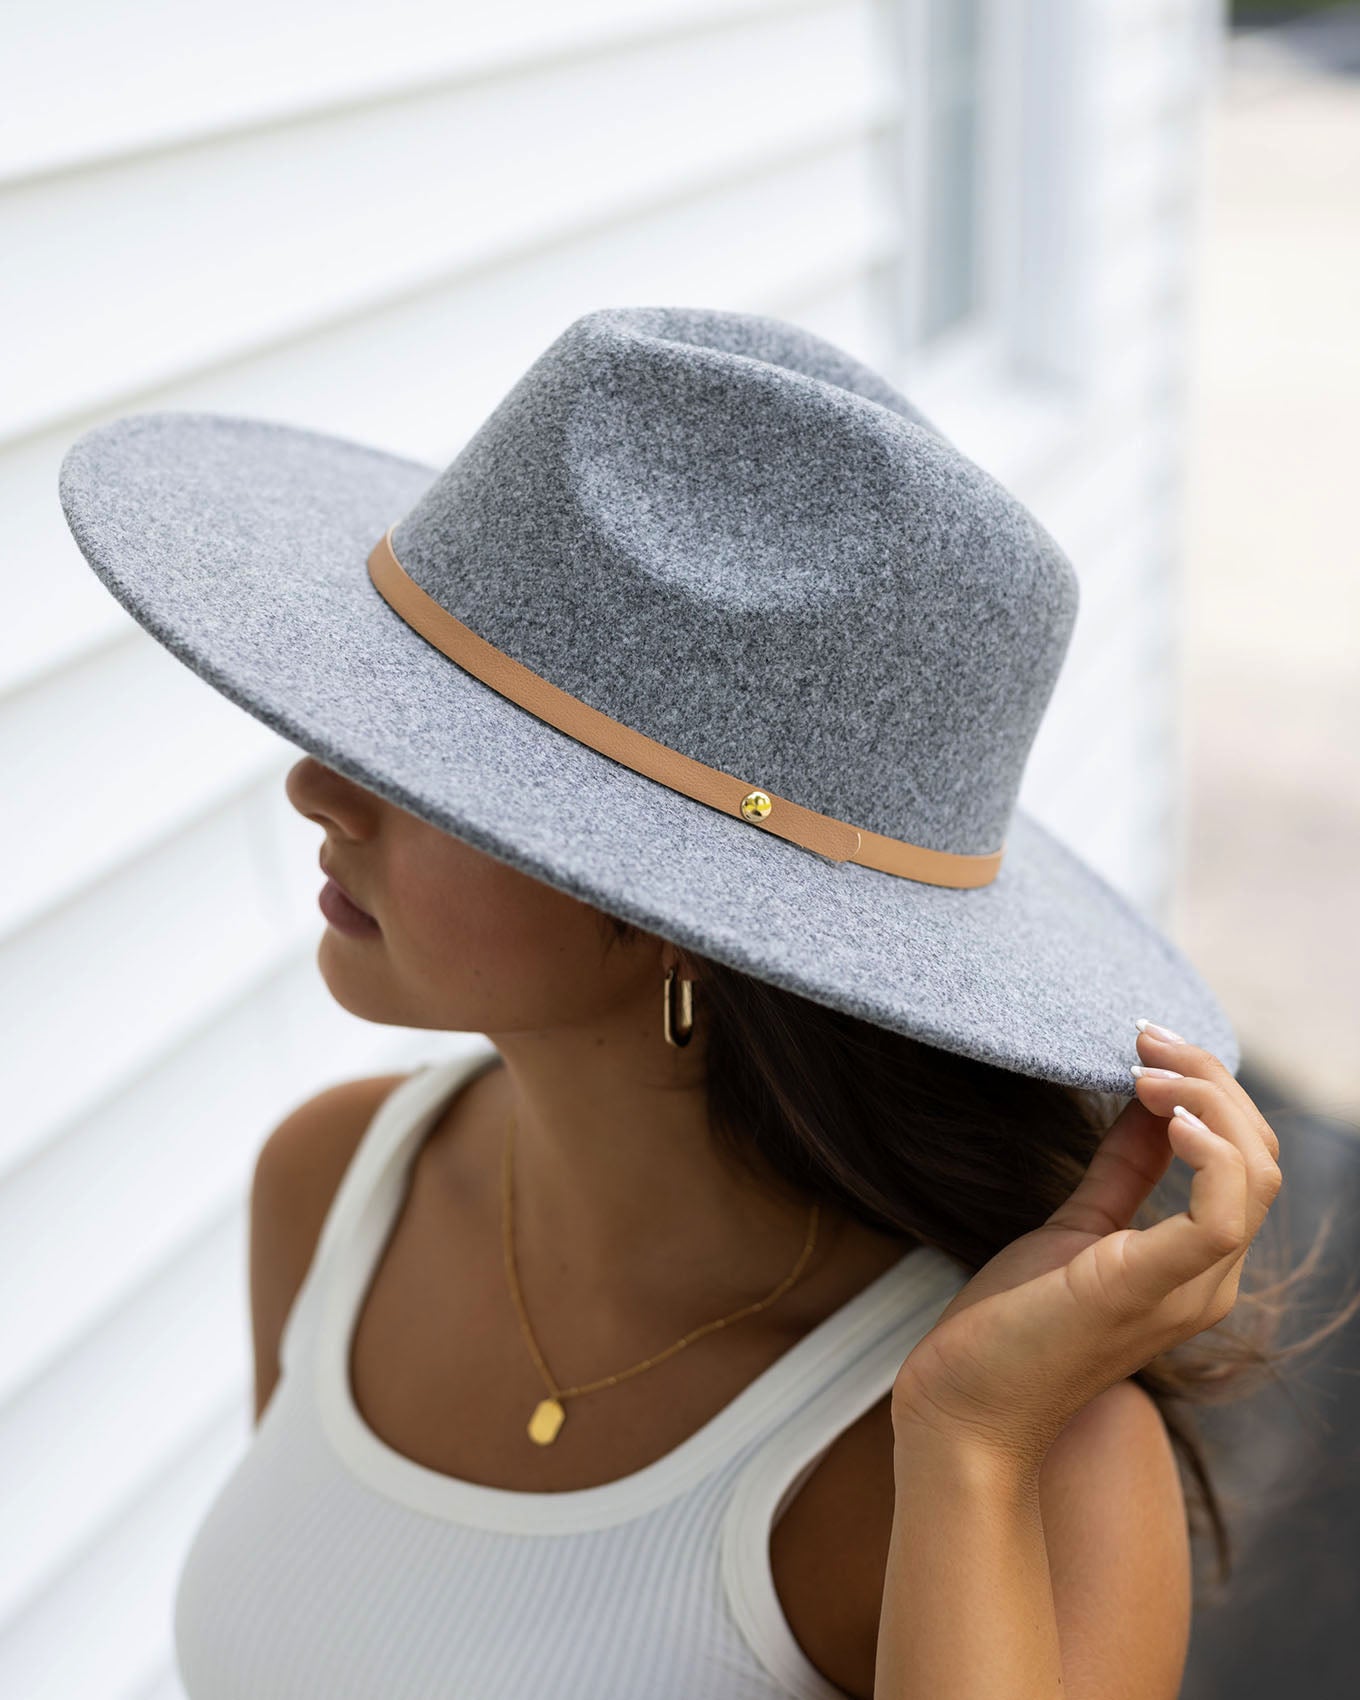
<point x="953" y="158"/>
<point x="953" y="32"/>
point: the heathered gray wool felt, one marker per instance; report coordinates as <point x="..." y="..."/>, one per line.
<point x="731" y="536"/>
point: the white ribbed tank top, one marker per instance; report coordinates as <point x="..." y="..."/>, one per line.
<point x="331" y="1567"/>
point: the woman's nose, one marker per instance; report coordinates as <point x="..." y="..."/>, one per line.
<point x="321" y="794"/>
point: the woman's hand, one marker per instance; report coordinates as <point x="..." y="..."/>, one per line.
<point x="1084" y="1301"/>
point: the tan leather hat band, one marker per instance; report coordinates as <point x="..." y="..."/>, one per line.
<point x="824" y="834"/>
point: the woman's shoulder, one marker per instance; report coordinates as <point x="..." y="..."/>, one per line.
<point x="297" y="1172"/>
<point x="303" y="1159"/>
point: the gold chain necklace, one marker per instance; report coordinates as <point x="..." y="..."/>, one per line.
<point x="548" y="1415"/>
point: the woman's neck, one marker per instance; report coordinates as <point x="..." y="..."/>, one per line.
<point x="615" y="1170"/>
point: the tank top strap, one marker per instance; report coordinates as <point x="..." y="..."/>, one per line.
<point x="400" y="1121"/>
<point x="912" y="1295"/>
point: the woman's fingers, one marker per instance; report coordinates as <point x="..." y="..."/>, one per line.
<point x="1135" y="1152"/>
<point x="1195" y="1063"/>
<point x="1190" y="1254"/>
<point x="1222" y="1111"/>
<point x="1131" y="1158"/>
<point x="1237" y="1177"/>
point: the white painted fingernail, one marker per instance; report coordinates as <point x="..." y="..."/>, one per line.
<point x="1145" y="1026"/>
<point x="1138" y="1069"/>
<point x="1185" y="1115"/>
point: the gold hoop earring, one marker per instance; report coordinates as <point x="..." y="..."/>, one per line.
<point x="677" y="1029"/>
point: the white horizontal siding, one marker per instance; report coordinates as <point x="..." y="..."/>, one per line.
<point x="147" y="750"/>
<point x="191" y="73"/>
<point x="164" y="1360"/>
<point x="262" y="235"/>
<point x="369" y="222"/>
<point x="135" y="963"/>
<point x="101" y="1627"/>
<point x="140" y="1173"/>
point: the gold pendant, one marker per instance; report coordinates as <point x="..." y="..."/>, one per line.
<point x="548" y="1417"/>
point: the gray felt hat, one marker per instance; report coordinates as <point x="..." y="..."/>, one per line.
<point x="705" y="625"/>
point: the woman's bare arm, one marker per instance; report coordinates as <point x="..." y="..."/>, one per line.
<point x="1059" y="1319"/>
<point x="1072" y="1580"/>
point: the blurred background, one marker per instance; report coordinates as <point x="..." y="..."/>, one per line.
<point x="1110" y="246"/>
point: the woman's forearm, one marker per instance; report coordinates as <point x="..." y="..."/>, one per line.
<point x="967" y="1598"/>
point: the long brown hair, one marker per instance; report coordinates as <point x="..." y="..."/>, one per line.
<point x="966" y="1156"/>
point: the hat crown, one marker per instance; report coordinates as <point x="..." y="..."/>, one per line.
<point x="735" y="538"/>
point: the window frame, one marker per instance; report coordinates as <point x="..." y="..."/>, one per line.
<point x="1010" y="376"/>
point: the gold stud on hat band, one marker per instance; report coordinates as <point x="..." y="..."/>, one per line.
<point x="835" y="839"/>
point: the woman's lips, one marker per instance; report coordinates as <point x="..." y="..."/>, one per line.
<point x="343" y="913"/>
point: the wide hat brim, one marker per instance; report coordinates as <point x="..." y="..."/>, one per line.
<point x="242" y="544"/>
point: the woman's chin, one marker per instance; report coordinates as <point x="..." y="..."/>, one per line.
<point x="347" y="967"/>
<point x="361" y="976"/>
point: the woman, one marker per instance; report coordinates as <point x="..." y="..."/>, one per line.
<point x="759" y="1309"/>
